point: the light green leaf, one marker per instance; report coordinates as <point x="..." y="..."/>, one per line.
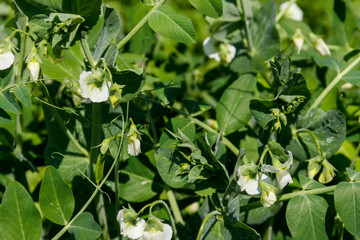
<point x="211" y="8"/>
<point x="308" y="184"/>
<point x="137" y="175"/>
<point x="8" y="103"/>
<point x="329" y="62"/>
<point x="171" y="25"/>
<point x="85" y="228"/>
<point x="232" y="111"/>
<point x="305" y="217"/>
<point x="149" y="2"/>
<point x="353" y="175"/>
<point x="56" y="199"/>
<point x="19" y="218"/>
<point x="22" y="93"/>
<point x="99" y="169"/>
<point x="352" y="77"/>
<point x="347" y="204"/>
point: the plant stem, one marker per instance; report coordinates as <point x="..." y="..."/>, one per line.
<point x="174" y="206"/>
<point x="66" y="227"/>
<point x="289" y="196"/>
<point x="87" y="52"/>
<point x="139" y="25"/>
<point x="95" y="131"/>
<point x="206" y="219"/>
<point x="246" y="23"/>
<point x="333" y="83"/>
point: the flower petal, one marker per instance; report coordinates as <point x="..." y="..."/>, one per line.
<point x="6" y="60"/>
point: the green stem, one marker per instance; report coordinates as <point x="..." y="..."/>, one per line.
<point x="282" y="13"/>
<point x="333" y="83"/>
<point x="66" y="227"/>
<point x="206" y="219"/>
<point x="262" y="157"/>
<point x="139" y="25"/>
<point x="353" y="162"/>
<point x="174" y="206"/>
<point x="87" y="52"/>
<point x="321" y="152"/>
<point x="246" y="23"/>
<point x="95" y="131"/>
<point x="289" y="196"/>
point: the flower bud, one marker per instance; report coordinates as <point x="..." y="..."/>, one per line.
<point x="133" y="139"/>
<point x="313" y="167"/>
<point x="34" y="69"/>
<point x="292" y="11"/>
<point x="328" y="172"/>
<point x="319" y="45"/>
<point x="298" y="40"/>
<point x="6" y="56"/>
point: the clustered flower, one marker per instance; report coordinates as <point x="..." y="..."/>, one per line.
<point x="219" y="51"/>
<point x="255" y="182"/>
<point x="134" y="227"/>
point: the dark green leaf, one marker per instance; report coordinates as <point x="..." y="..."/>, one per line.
<point x="211" y="8"/>
<point x="133" y="79"/>
<point x="56" y="199"/>
<point x="4" y="117"/>
<point x="8" y="103"/>
<point x="19" y="218"/>
<point x="351" y="54"/>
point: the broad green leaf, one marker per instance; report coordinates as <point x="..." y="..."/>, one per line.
<point x="328" y="127"/>
<point x="308" y="184"/>
<point x="149" y="2"/>
<point x="185" y="126"/>
<point x="138" y="181"/>
<point x="85" y="228"/>
<point x="305" y="217"/>
<point x="211" y="8"/>
<point x="352" y="77"/>
<point x="195" y="108"/>
<point x="168" y="91"/>
<point x="261" y="110"/>
<point x="109" y="32"/>
<point x="56" y="199"/>
<point x="232" y="111"/>
<point x="260" y="215"/>
<point x="220" y="229"/>
<point x="4" y="117"/>
<point x="347" y="204"/>
<point x="19" y="218"/>
<point x="8" y="103"/>
<point x="22" y="93"/>
<point x="5" y="77"/>
<point x="171" y="25"/>
<point x="264" y="33"/>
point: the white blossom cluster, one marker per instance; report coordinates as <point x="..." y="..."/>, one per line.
<point x="255" y="182"/>
<point x="136" y="228"/>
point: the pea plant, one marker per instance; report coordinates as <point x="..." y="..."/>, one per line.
<point x="198" y="119"/>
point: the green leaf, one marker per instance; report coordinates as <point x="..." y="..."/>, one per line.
<point x="347" y="204"/>
<point x="232" y="111"/>
<point x="308" y="184"/>
<point x="19" y="218"/>
<point x="22" y="93"/>
<point x="328" y="127"/>
<point x="149" y="2"/>
<point x="133" y="79"/>
<point x="56" y="199"/>
<point x="4" y="117"/>
<point x="329" y="62"/>
<point x="260" y="215"/>
<point x="264" y="33"/>
<point x="99" y="169"/>
<point x="84" y="227"/>
<point x="211" y="8"/>
<point x="351" y="54"/>
<point x="352" y="77"/>
<point x="353" y="175"/>
<point x="195" y="108"/>
<point x="220" y="229"/>
<point x="305" y="217"/>
<point x="8" y="103"/>
<point x="167" y="23"/>
<point x="261" y="110"/>
<point x="109" y="32"/>
<point x="140" y="177"/>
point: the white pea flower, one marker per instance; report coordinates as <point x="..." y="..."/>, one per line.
<point x="267" y="199"/>
<point x="94" y="87"/>
<point x="131" y="226"/>
<point x="155" y="234"/>
<point x="6" y="59"/>
<point x="319" y="45"/>
<point x="298" y="40"/>
<point x="249" y="179"/>
<point x="34" y="68"/>
<point x="156" y="230"/>
<point x="293" y="11"/>
<point x="133" y="138"/>
<point x="283" y="176"/>
<point x="219" y="51"/>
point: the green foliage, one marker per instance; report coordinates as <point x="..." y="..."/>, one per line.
<point x="211" y="8"/>
<point x="19" y="218"/>
<point x="84" y="227"/>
